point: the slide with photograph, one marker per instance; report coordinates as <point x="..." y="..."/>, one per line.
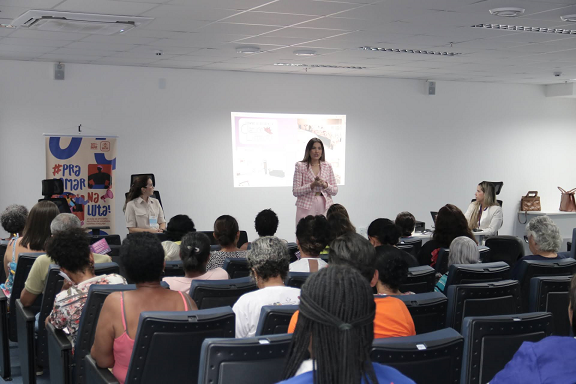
<point x="267" y="145"/>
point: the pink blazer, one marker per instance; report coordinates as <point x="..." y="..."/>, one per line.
<point x="303" y="177"/>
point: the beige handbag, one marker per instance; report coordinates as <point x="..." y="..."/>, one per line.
<point x="530" y="202"/>
<point x="567" y="203"/>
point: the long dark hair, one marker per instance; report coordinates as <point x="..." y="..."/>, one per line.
<point x="309" y="146"/>
<point x="37" y="228"/>
<point x="336" y="321"/>
<point x="195" y="251"/>
<point x="451" y="223"/>
<point x="225" y="230"/>
<point x="136" y="189"/>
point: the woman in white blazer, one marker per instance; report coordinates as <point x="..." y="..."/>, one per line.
<point x="484" y="215"/>
<point x="314" y="182"/>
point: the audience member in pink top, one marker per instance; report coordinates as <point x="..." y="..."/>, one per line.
<point x="194" y="252"/>
<point x="143" y="259"/>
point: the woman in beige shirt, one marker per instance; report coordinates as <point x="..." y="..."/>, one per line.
<point x="143" y="212"/>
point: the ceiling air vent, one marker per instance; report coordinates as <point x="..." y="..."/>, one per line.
<point x="91" y="23"/>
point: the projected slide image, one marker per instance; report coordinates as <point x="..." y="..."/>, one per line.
<point x="266" y="146"/>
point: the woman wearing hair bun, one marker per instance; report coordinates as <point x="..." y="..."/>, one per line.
<point x="194" y="252"/>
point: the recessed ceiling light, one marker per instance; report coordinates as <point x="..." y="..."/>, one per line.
<point x="507" y="11"/>
<point x="248" y="49"/>
<point x="304" y="52"/>
<point x="570" y="18"/>
<point x="421" y="51"/>
<point x="520" y="28"/>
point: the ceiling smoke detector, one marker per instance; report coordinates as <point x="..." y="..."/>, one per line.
<point x="507" y="11"/>
<point x="305" y="52"/>
<point x="248" y="49"/>
<point x="91" y="23"/>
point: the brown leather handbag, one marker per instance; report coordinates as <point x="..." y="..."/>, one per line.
<point x="567" y="202"/>
<point x="530" y="202"/>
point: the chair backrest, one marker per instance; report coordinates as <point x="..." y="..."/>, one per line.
<point x="550" y="294"/>
<point x="431" y="358"/>
<point x="106" y="268"/>
<point x="536" y="268"/>
<point x="174" y="268"/>
<point x="573" y="245"/>
<point x="52" y="287"/>
<point x="220" y="293"/>
<point x="410" y="245"/>
<point x="428" y="310"/>
<point x="243" y="237"/>
<point x="296" y="279"/>
<point x="482" y="299"/>
<point x="88" y="321"/>
<point x="505" y="248"/>
<point x="477" y="273"/>
<point x="110" y="239"/>
<point x="3" y="248"/>
<point x="241" y="361"/>
<point x="159" y="333"/>
<point x="23" y="266"/>
<point x="490" y="342"/>
<point x="236" y="267"/>
<point x="420" y="280"/>
<point x="292" y="249"/>
<point x="441" y="265"/>
<point x="274" y="319"/>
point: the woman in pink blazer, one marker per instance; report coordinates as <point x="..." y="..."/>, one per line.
<point x="314" y="182"/>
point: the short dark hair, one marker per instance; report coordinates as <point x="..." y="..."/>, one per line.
<point x="450" y="224"/>
<point x="225" y="230"/>
<point x="266" y="223"/>
<point x="269" y="257"/>
<point x="353" y="250"/>
<point x="406" y="222"/>
<point x="70" y="249"/>
<point x="142" y="257"/>
<point x="391" y="265"/>
<point x="194" y="251"/>
<point x="37" y="229"/>
<point x="178" y="226"/>
<point x="339" y="225"/>
<point x="313" y="234"/>
<point x="385" y="231"/>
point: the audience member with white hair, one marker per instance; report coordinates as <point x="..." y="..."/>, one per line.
<point x="463" y="250"/>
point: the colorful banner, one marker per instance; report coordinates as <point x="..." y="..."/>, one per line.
<point x="86" y="166"/>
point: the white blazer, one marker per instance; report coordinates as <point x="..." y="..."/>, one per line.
<point x="491" y="220"/>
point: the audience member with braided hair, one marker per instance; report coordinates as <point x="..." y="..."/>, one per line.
<point x="392" y="317"/>
<point x="392" y="270"/>
<point x="336" y="330"/>
<point x="194" y="253"/>
<point x="312" y="236"/>
<point x="226" y="233"/>
<point x="268" y="261"/>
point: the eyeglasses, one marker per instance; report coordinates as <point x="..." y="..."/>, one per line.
<point x="526" y="239"/>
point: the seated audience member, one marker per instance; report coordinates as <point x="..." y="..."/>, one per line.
<point x="71" y="251"/>
<point x="485" y="214"/>
<point x="143" y="260"/>
<point x="450" y="224"/>
<point x="226" y="233"/>
<point x="339" y="225"/>
<point x="36" y="280"/>
<point x="544" y="240"/>
<point x="266" y="224"/>
<point x="268" y="260"/>
<point x="406" y="222"/>
<point x="36" y="232"/>
<point x="337" y="209"/>
<point x="13" y="220"/>
<point x="463" y="250"/>
<point x="194" y="252"/>
<point x="178" y="226"/>
<point x="336" y="329"/>
<point x="550" y="360"/>
<point x="392" y="270"/>
<point x="385" y="232"/>
<point x="312" y="236"/>
<point x="392" y="317"/>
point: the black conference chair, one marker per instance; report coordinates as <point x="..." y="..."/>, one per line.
<point x="572" y="245"/>
<point x="296" y="279"/>
<point x="3" y="247"/>
<point x="110" y="239"/>
<point x="441" y="265"/>
<point x="174" y="268"/>
<point x="431" y="358"/>
<point x="550" y="294"/>
<point x="482" y="299"/>
<point x="155" y="351"/>
<point x="428" y="310"/>
<point x="66" y="365"/>
<point x="33" y="349"/>
<point x="505" y="248"/>
<point x="275" y="319"/>
<point x="220" y="293"/>
<point x="490" y="342"/>
<point x="536" y="268"/>
<point x="420" y="280"/>
<point x="236" y="268"/>
<point x="292" y="249"/>
<point x="243" y="361"/>
<point x="410" y="245"/>
<point x="477" y="273"/>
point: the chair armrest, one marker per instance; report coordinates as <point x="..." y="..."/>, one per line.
<point x="5" y="368"/>
<point x="60" y="352"/>
<point x="97" y="375"/>
<point x="59" y="338"/>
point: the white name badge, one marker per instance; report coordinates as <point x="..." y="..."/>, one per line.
<point x="153" y="222"/>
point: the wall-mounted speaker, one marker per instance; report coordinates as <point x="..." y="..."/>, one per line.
<point x="58" y="71"/>
<point x="431" y="87"/>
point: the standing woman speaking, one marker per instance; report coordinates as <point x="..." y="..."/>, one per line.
<point x="143" y="212"/>
<point x="314" y="182"/>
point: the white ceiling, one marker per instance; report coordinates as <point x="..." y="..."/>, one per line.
<point x="203" y="34"/>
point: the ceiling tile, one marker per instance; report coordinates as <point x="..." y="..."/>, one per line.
<point x="108" y="7"/>
<point x="269" y="18"/>
<point x="190" y="11"/>
<point x="308" y="7"/>
<point x="239" y="29"/>
<point x="31" y="34"/>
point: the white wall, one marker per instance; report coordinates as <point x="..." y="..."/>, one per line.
<point x="406" y="150"/>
